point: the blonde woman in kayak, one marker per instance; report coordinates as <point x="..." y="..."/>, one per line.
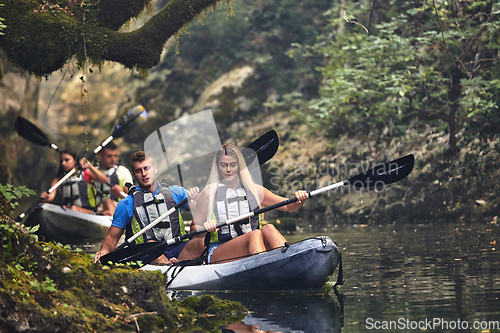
<point x="231" y="192"/>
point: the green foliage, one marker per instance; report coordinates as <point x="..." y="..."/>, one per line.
<point x="45" y="286"/>
<point x="427" y="60"/>
<point x="257" y="34"/>
<point x="7" y="247"/>
<point x="13" y="194"/>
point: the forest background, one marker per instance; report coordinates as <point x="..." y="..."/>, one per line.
<point x="345" y="84"/>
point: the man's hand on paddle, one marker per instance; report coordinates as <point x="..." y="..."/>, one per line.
<point x="98" y="256"/>
<point x="109" y="242"/>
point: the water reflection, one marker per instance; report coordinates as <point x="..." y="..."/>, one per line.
<point x="448" y="271"/>
<point x="284" y="311"/>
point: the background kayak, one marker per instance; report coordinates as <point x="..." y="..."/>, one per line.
<point x="66" y="225"/>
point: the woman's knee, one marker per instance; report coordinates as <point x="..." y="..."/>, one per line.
<point x="269" y="228"/>
<point x="257" y="233"/>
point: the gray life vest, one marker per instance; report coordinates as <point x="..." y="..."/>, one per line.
<point x="148" y="208"/>
<point x="230" y="203"/>
<point x="71" y="191"/>
<point x="75" y="191"/>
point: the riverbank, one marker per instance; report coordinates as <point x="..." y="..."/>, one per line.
<point x="45" y="287"/>
<point x="440" y="187"/>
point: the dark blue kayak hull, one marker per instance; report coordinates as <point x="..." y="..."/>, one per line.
<point x="303" y="265"/>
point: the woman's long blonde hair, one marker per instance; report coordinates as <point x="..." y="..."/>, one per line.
<point x="244" y="176"/>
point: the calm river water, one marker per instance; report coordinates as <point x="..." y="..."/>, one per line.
<point x="437" y="277"/>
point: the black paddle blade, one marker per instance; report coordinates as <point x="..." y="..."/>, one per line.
<point x="145" y="253"/>
<point x="136" y="113"/>
<point x="384" y="174"/>
<point x="265" y="147"/>
<point x="31" y="132"/>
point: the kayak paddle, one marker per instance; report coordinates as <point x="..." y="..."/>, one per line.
<point x="378" y="176"/>
<point x="32" y="133"/>
<point x="145" y="253"/>
<point x="23" y="126"/>
<point x="265" y="147"/>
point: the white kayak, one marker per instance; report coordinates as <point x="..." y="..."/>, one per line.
<point x="303" y="265"/>
<point x="66" y="225"/>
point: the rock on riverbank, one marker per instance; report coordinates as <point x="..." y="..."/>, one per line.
<point x="45" y="287"/>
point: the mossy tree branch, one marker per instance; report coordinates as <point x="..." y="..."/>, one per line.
<point x="115" y="13"/>
<point x="40" y="39"/>
<point x="142" y="48"/>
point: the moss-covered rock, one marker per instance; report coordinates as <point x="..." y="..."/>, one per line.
<point x="45" y="287"/>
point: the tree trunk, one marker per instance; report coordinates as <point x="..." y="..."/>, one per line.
<point x="454" y="98"/>
<point x="18" y="96"/>
<point x="453" y="128"/>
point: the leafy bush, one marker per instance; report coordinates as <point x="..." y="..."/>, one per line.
<point x="13" y="194"/>
<point x="419" y="60"/>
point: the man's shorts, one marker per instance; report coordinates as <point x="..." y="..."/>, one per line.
<point x="174" y="250"/>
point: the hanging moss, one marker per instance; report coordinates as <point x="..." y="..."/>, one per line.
<point x="40" y="42"/>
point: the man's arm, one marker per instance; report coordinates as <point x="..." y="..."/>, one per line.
<point x="109" y="242"/>
<point x="124" y="176"/>
<point x="117" y="190"/>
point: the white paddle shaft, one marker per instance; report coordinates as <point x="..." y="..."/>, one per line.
<point x="104" y="143"/>
<point x="158" y="220"/>
<point x="327" y="188"/>
<point x="62" y="180"/>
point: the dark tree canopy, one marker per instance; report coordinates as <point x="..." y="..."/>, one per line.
<point x="40" y="37"/>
